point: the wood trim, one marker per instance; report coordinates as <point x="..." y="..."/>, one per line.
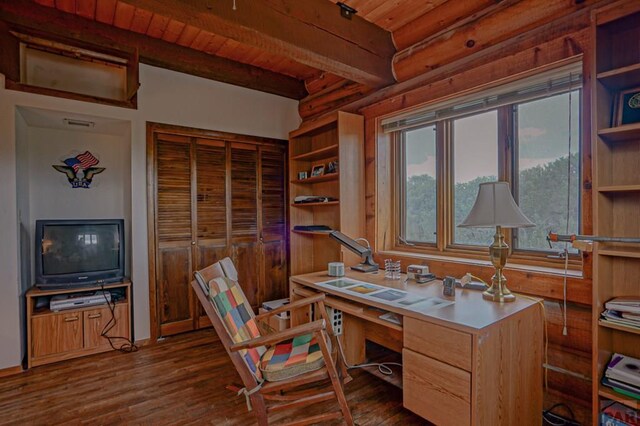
<point x="212" y="134"/>
<point x="152" y="232"/>
<point x="10" y="371"/>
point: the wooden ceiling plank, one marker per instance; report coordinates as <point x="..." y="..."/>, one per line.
<point x="105" y="11"/>
<point x="173" y="31"/>
<point x="141" y="21"/>
<point x="215" y="44"/>
<point x="157" y="26"/>
<point x="25" y="15"/>
<point x="269" y="28"/>
<point x="188" y="35"/>
<point x="478" y="35"/>
<point x="86" y="8"/>
<point x="201" y="40"/>
<point x="392" y="16"/>
<point x="124" y="15"/>
<point x="444" y="17"/>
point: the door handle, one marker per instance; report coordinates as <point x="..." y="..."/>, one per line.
<point x="71" y="319"/>
<point x="193" y="243"/>
<point x="93" y="316"/>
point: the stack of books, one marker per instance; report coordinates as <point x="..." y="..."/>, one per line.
<point x="622" y="311"/>
<point x="617" y="414"/>
<point x="623" y="376"/>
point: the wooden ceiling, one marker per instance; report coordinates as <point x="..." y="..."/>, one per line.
<point x="392" y="14"/>
<point x="293" y="48"/>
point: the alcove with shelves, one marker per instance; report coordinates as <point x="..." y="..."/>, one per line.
<point x="337" y="138"/>
<point x="616" y="148"/>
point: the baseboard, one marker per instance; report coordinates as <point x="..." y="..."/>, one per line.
<point x="10" y="371"/>
<point x="143" y="342"/>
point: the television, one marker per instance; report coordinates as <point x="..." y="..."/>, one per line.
<point x="76" y="253"/>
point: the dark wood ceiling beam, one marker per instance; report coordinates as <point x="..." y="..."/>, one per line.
<point x="41" y="19"/>
<point x="310" y="32"/>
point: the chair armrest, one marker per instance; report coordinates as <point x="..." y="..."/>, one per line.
<point x="291" y="306"/>
<point x="280" y="336"/>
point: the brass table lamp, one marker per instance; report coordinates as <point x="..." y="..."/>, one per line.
<point x="494" y="206"/>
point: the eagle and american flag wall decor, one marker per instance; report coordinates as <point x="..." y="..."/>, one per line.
<point x="80" y="169"/>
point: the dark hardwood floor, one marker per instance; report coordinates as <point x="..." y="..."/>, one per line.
<point x="178" y="381"/>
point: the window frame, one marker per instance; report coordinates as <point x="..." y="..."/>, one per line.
<point x="507" y="168"/>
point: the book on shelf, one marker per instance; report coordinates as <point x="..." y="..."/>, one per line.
<point x="622" y="388"/>
<point x="625" y="304"/>
<point x="616" y="317"/>
<point x="617" y="414"/>
<point x="624" y="369"/>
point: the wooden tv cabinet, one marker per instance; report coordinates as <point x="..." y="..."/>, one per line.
<point x="56" y="336"/>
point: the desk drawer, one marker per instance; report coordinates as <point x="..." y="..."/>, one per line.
<point x="436" y="391"/>
<point x="445" y="344"/>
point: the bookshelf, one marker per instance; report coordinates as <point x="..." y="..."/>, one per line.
<point x="616" y="151"/>
<point x="337" y="137"/>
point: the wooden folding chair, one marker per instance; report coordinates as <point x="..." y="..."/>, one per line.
<point x="274" y="367"/>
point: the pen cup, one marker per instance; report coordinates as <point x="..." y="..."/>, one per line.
<point x="336" y="269"/>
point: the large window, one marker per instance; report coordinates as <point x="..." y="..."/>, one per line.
<point x="419" y="181"/>
<point x="547" y="167"/>
<point x="532" y="141"/>
<point x="475" y="160"/>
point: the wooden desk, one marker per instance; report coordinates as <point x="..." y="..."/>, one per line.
<point x="471" y="363"/>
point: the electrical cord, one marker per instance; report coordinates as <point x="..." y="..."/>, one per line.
<point x="128" y="346"/>
<point x="383" y="367"/>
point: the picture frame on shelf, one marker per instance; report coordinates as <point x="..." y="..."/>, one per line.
<point x="332" y="167"/>
<point x="317" y="170"/>
<point x="626" y="107"/>
<point x="303" y="175"/>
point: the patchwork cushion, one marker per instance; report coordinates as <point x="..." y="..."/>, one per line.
<point x="238" y="318"/>
<point x="291" y="358"/>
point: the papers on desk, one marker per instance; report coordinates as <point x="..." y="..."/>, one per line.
<point x="386" y="295"/>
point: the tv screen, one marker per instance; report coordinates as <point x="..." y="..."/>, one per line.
<point x="79" y="252"/>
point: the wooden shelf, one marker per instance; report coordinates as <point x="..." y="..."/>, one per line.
<point x="619" y="327"/>
<point x="47" y="311"/>
<point x="323" y="178"/>
<point x="328" y="203"/>
<point x="621" y="78"/>
<point x="318" y="154"/>
<point x="633" y="252"/>
<point x="312" y="232"/>
<point x="619" y="188"/>
<point x="622" y="399"/>
<point x="624" y="133"/>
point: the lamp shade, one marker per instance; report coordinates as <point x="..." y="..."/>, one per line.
<point x="495" y="206"/>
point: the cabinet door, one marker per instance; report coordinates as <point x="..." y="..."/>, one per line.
<point x="244" y="218"/>
<point x="95" y="321"/>
<point x="174" y="234"/>
<point x="56" y="333"/>
<point x="211" y="177"/>
<point x="273" y="232"/>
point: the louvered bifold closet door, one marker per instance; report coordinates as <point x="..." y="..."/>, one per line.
<point x="174" y="233"/>
<point x="211" y="223"/>
<point x="243" y="216"/>
<point x="273" y="165"/>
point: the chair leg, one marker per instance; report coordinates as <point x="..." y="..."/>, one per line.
<point x="260" y="409"/>
<point x="335" y="380"/>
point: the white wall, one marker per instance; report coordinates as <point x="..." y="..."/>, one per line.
<point x="165" y="97"/>
<point x="52" y="197"/>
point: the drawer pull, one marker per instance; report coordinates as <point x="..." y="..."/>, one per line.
<point x="92" y="316"/>
<point x="70" y="319"/>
